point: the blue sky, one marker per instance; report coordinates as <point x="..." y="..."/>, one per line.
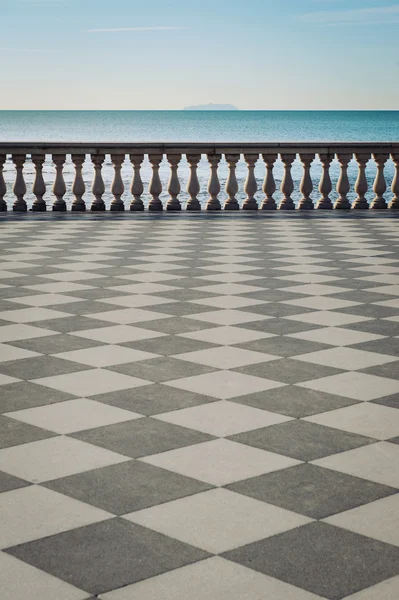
<point x="159" y="54"/>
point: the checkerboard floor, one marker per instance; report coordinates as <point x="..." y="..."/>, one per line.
<point x="199" y="409"/>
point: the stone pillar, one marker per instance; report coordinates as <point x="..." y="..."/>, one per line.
<point x="325" y="185"/>
<point x="59" y="187"/>
<point x="214" y="184"/>
<point x="306" y="186"/>
<point x="361" y="185"/>
<point x="19" y="187"/>
<point x="193" y="186"/>
<point x="380" y="185"/>
<point x="250" y="187"/>
<point x="98" y="187"/>
<point x="3" y="189"/>
<point x="155" y="183"/>
<point x="174" y="184"/>
<point x="137" y="187"/>
<point x="287" y="184"/>
<point x="269" y="185"/>
<point x="343" y="185"/>
<point x="78" y="187"/>
<point x="117" y="187"/>
<point x="231" y="183"/>
<point x="39" y="187"/>
<point x="394" y="203"/>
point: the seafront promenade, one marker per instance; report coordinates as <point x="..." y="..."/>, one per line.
<point x="199" y="406"/>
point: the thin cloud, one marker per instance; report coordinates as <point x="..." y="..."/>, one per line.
<point x="362" y="16"/>
<point x="119" y="29"/>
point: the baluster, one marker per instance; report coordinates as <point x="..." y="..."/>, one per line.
<point x="325" y="185"/>
<point x="174" y="183"/>
<point x="39" y="187"/>
<point x="250" y="186"/>
<point x="98" y="187"/>
<point x="343" y="185"/>
<point x="117" y="187"/>
<point x="193" y="186"/>
<point x="287" y="184"/>
<point x="78" y="187"/>
<point x="59" y="187"/>
<point x="361" y="185"/>
<point x="269" y="185"/>
<point x="214" y="184"/>
<point x="155" y="189"/>
<point x="231" y="183"/>
<point x="380" y="185"/>
<point x="394" y="203"/>
<point x="3" y="189"/>
<point x="306" y="186"/>
<point x="19" y="187"/>
<point x="137" y="187"/>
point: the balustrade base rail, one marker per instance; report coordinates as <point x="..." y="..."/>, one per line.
<point x="380" y="152"/>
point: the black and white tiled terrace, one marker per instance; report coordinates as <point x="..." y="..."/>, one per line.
<point x="199" y="408"/>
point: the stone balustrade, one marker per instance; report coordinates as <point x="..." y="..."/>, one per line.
<point x="344" y="152"/>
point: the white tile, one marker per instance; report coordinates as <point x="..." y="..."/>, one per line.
<point x="55" y="457"/>
<point x="220" y="462"/>
<point x="73" y="276"/>
<point x="34" y="512"/>
<point x="117" y="334"/>
<point x="378" y="520"/>
<point x="226" y="357"/>
<point x="224" y="384"/>
<point x="105" y="356"/>
<point x="309" y="278"/>
<point x="228" y="302"/>
<point x="372" y="420"/>
<point x="376" y="462"/>
<point x="81" y="266"/>
<point x="205" y="520"/>
<point x="228" y="317"/>
<point x="62" y="287"/>
<point x="327" y="318"/>
<point x="222" y="418"/>
<point x="386" y="278"/>
<point x="385" y="590"/>
<point x="73" y="415"/>
<point x="358" y="386"/>
<point x="136" y="300"/>
<point x="317" y="303"/>
<point x="227" y="335"/>
<point x="91" y="382"/>
<point x="153" y="277"/>
<point x="19" y="581"/>
<point x="159" y="267"/>
<point x="394" y="319"/>
<point x="297" y="268"/>
<point x="10" y="353"/>
<point x="211" y="579"/>
<point x="5" y="379"/>
<point x="145" y="288"/>
<point x="386" y="289"/>
<point x="315" y="289"/>
<point x="127" y="315"/>
<point x="45" y="300"/>
<point x="29" y="315"/>
<point x="336" y="336"/>
<point x="346" y="358"/>
<point x="394" y="303"/>
<point x="230" y="289"/>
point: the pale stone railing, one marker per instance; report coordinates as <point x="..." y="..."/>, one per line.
<point x="380" y="152"/>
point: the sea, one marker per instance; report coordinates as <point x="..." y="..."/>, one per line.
<point x="194" y="126"/>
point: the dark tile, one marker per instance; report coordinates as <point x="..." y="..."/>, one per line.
<point x="312" y="491"/>
<point x="176" y="325"/>
<point x="302" y="440"/>
<point x="189" y="282"/>
<point x="288" y="370"/>
<point x="279" y="326"/>
<point x="161" y="369"/>
<point x="40" y="366"/>
<point x="86" y="307"/>
<point x="181" y="309"/>
<point x="370" y="310"/>
<point x="96" y="293"/>
<point x="184" y="295"/>
<point x="276" y="309"/>
<point x="9" y="482"/>
<point x="361" y="296"/>
<point x="392" y="401"/>
<point x="378" y="326"/>
<point x="153" y="399"/>
<point x="394" y="441"/>
<point x="71" y="324"/>
<point x="52" y="344"/>
<point x="326" y="560"/>
<point x="15" y="432"/>
<point x="20" y="292"/>
<point x="127" y="487"/>
<point x="24" y="394"/>
<point x="142" y="437"/>
<point x="389" y="370"/>
<point x="283" y="346"/>
<point x="294" y="401"/>
<point x="104" y="556"/>
<point x="387" y="345"/>
<point x="169" y="345"/>
<point x="271" y="295"/>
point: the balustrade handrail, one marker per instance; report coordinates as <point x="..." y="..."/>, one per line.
<point x="269" y="152"/>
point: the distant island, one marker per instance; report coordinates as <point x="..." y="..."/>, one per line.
<point x="212" y="106"/>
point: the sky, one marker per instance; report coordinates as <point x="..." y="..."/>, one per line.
<point x="167" y="54"/>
